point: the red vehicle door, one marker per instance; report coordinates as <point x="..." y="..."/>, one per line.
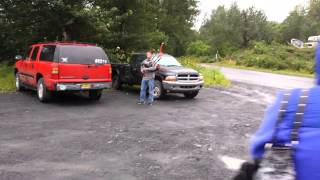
<point x="23" y="67"/>
<point x="83" y="64"/>
<point x="31" y="70"/>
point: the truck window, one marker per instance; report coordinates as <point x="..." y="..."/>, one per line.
<point x="137" y="59"/>
<point x="35" y="53"/>
<point x="47" y="53"/>
<point x="72" y="54"/>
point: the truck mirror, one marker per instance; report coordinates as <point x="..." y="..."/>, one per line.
<point x="18" y="57"/>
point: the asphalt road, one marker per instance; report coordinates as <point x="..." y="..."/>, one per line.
<point x="264" y="79"/>
<point x="115" y="139"/>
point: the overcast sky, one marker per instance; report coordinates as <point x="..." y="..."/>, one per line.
<point x="276" y="10"/>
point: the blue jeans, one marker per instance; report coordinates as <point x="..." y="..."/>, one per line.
<point x="143" y="91"/>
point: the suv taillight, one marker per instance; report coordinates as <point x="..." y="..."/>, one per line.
<point x="55" y="71"/>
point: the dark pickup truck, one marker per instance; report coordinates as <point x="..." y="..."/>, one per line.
<point x="171" y="77"/>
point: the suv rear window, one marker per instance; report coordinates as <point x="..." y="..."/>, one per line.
<point x="82" y="55"/>
<point x="47" y="53"/>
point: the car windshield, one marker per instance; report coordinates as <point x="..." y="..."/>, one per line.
<point x="73" y="54"/>
<point x="167" y="60"/>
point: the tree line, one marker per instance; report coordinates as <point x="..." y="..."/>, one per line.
<point x="136" y="25"/>
<point x="231" y="29"/>
<point x="132" y="25"/>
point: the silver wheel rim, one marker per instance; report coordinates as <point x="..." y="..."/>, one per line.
<point x="40" y="91"/>
<point x="156" y="92"/>
<point x="17" y="82"/>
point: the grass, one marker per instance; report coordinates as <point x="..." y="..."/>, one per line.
<point x="212" y="77"/>
<point x="7" y="80"/>
<point x="232" y="64"/>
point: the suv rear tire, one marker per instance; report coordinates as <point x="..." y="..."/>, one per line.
<point x="191" y="95"/>
<point x="19" y="85"/>
<point x="44" y="95"/>
<point x="95" y="95"/>
<point x="158" y="90"/>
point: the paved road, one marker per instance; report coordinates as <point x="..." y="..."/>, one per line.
<point x="265" y="79"/>
<point x="115" y="139"/>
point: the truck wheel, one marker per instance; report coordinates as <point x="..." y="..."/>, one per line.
<point x="44" y="95"/>
<point x="95" y="95"/>
<point x="158" y="90"/>
<point x="191" y="95"/>
<point x="19" y="85"/>
<point x="116" y="82"/>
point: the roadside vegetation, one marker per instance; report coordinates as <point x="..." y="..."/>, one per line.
<point x="6" y="78"/>
<point x="212" y="77"/>
<point x="244" y="38"/>
<point x="275" y="57"/>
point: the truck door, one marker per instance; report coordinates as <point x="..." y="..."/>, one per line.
<point x="32" y="65"/>
<point x="135" y="65"/>
<point x="24" y="66"/>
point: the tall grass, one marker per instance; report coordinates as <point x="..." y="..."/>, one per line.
<point x="7" y="80"/>
<point x="212" y="77"/>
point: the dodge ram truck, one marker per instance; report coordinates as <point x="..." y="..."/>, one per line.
<point x="171" y="77"/>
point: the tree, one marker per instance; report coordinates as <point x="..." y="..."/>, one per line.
<point x="231" y="29"/>
<point x="255" y="26"/>
<point x="295" y="26"/>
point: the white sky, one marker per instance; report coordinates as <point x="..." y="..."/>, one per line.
<point x="276" y="10"/>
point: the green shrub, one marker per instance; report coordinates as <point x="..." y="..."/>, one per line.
<point x="198" y="48"/>
<point x="7" y="80"/>
<point x="275" y="57"/>
<point x="212" y="77"/>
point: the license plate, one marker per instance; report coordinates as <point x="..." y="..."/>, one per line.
<point x="85" y="86"/>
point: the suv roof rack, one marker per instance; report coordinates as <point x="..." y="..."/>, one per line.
<point x="67" y="42"/>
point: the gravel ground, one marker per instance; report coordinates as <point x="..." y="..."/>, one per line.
<point x="115" y="139"/>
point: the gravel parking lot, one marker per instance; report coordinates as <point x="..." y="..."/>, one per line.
<point x="115" y="139"/>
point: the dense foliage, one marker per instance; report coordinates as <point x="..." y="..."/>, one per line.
<point x="275" y="57"/>
<point x="130" y="24"/>
<point x="231" y="29"/>
<point x="198" y="48"/>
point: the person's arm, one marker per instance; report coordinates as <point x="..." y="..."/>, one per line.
<point x="153" y="68"/>
<point x="141" y="68"/>
<point x="266" y="130"/>
<point x="150" y="69"/>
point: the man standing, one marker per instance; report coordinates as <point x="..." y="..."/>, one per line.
<point x="148" y="74"/>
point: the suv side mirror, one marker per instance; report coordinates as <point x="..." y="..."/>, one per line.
<point x="18" y="57"/>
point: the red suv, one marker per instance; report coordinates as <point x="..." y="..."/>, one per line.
<point x="63" y="66"/>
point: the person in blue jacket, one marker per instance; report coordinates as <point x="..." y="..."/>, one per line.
<point x="307" y="152"/>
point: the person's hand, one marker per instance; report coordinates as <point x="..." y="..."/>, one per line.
<point x="158" y="66"/>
